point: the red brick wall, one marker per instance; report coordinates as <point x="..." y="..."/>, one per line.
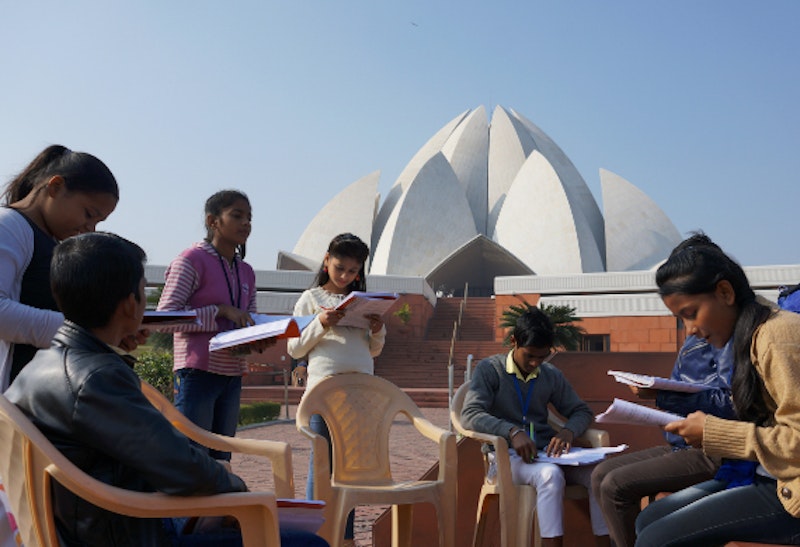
<point x="626" y="333"/>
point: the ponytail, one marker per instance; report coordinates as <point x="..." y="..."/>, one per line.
<point x="81" y="172"/>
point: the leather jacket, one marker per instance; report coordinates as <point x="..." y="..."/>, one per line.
<point x="88" y="402"/>
<point x="699" y="362"/>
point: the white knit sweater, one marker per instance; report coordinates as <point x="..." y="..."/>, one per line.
<point x="332" y="350"/>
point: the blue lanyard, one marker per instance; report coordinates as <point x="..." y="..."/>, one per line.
<point x="526" y="403"/>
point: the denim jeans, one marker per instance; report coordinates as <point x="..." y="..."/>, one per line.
<point x="318" y="426"/>
<point x="707" y="514"/>
<point x="230" y="537"/>
<point x="209" y="400"/>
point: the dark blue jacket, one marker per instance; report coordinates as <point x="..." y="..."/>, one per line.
<point x="700" y="363"/>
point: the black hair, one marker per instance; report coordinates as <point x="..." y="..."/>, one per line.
<point x="346" y="245"/>
<point x="218" y="203"/>
<point x="91" y="273"/>
<point x="697" y="268"/>
<point x="534" y="328"/>
<point x="81" y="172"/>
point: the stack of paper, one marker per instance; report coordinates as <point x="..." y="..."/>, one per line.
<point x="580" y="456"/>
<point x="655" y="382"/>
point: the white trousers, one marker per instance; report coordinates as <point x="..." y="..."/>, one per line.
<point x="550" y="480"/>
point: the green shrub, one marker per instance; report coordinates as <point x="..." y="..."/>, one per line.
<point x="256" y="413"/>
<point x="403" y="313"/>
<point x="155" y="368"/>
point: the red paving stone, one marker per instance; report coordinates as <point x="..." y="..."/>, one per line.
<point x="412" y="455"/>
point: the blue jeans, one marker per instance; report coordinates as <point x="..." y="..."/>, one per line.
<point x="318" y="426"/>
<point x="230" y="537"/>
<point x="209" y="400"/>
<point x="707" y="514"/>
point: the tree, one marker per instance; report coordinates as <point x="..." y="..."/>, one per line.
<point x="568" y="335"/>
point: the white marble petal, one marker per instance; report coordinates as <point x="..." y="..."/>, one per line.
<point x="509" y="146"/>
<point x="638" y="233"/>
<point x="430" y="221"/>
<point x="538" y="225"/>
<point x="466" y="150"/>
<point x="580" y="197"/>
<point x="409" y="173"/>
<point x="351" y="210"/>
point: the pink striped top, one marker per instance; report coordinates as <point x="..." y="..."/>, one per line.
<point x="196" y="280"/>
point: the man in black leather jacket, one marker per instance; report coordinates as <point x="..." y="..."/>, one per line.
<point x="86" y="398"/>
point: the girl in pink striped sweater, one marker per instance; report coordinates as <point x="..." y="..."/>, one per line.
<point x="212" y="278"/>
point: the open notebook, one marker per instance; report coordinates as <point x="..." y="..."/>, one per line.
<point x="267" y="326"/>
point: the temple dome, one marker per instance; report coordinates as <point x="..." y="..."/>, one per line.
<point x="486" y="198"/>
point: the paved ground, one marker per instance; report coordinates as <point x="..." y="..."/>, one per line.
<point x="412" y="455"/>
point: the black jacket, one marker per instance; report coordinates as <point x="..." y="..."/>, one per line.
<point x="87" y="401"/>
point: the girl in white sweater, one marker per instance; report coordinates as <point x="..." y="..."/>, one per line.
<point x="328" y="348"/>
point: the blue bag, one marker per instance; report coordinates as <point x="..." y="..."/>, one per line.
<point x="789" y="298"/>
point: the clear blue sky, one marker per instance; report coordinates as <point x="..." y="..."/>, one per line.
<point x="696" y="103"/>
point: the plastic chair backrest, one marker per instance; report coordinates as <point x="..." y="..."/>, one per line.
<point x="25" y="455"/>
<point x="359" y="410"/>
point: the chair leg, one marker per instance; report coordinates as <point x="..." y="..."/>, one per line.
<point x="484" y="504"/>
<point x="339" y="522"/>
<point x="447" y="525"/>
<point x="402" y="517"/>
<point x="527" y="524"/>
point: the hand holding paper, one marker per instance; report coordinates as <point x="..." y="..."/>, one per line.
<point x="690" y="428"/>
<point x="359" y="306"/>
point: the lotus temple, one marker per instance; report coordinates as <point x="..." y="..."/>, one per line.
<point x="489" y="198"/>
<point x="490" y="207"/>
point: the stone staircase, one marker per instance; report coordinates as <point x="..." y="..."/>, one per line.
<point x="420" y="366"/>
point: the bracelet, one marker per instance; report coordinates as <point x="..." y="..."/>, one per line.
<point x="514" y="433"/>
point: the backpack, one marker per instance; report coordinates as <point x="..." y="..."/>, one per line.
<point x="789" y="298"/>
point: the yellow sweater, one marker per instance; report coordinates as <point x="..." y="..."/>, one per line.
<point x="775" y="352"/>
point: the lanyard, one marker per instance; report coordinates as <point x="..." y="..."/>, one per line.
<point x="238" y="300"/>
<point x="526" y="403"/>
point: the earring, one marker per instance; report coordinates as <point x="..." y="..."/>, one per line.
<point x="325" y="269"/>
<point x="358" y="278"/>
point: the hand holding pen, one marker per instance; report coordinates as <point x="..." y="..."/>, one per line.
<point x="329" y="317"/>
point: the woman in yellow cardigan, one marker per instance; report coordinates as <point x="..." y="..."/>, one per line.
<point x="756" y="494"/>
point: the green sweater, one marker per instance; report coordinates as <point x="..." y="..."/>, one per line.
<point x="775" y="352"/>
<point x="493" y="404"/>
